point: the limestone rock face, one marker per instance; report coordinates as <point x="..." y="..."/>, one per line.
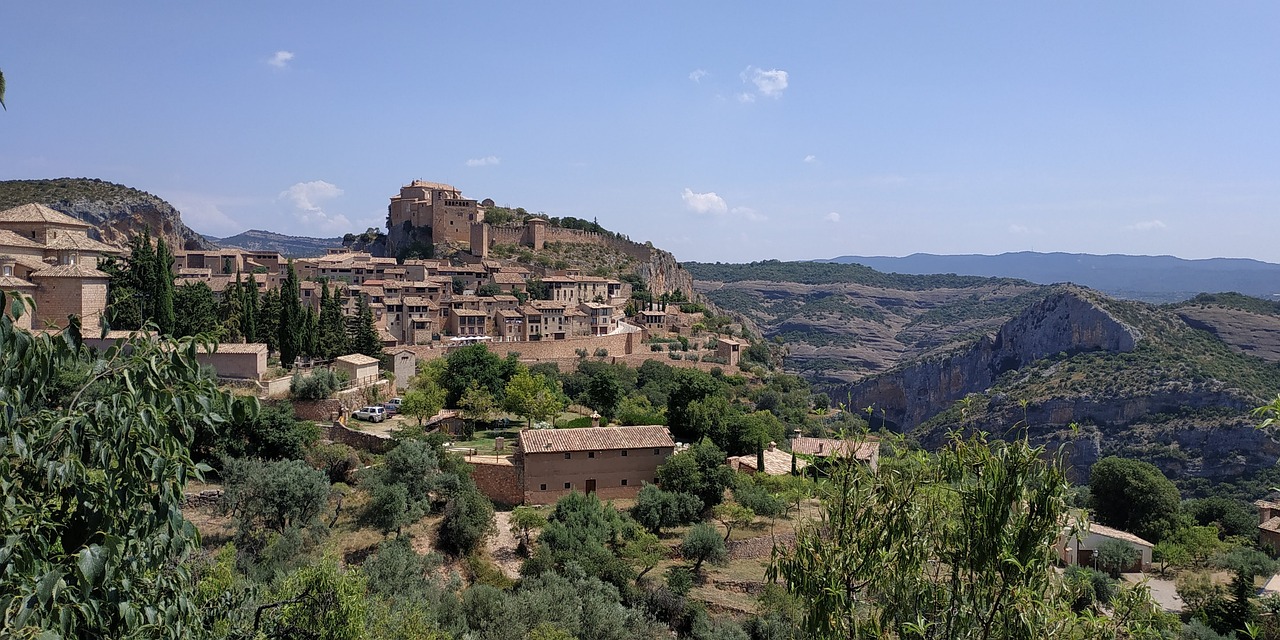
<point x="1062" y="322"/>
<point x="664" y="274"/>
<point x="116" y="212"/>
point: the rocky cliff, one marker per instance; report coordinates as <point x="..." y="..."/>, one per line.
<point x="1063" y="322"/>
<point x="117" y="212"/>
<point x="663" y="274"/>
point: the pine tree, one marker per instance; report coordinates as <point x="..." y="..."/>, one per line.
<point x="165" y="320"/>
<point x="365" y="339"/>
<point x="290" y="327"/>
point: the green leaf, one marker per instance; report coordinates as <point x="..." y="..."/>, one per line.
<point x="92" y="561"/>
<point x="47" y="584"/>
<point x="2" y="91"/>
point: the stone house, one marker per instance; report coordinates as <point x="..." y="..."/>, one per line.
<point x="1269" y="523"/>
<point x="866" y="450"/>
<point x="235" y="361"/>
<point x="360" y="369"/>
<point x="1080" y="546"/>
<point x="612" y="462"/>
<point x="730" y="350"/>
<point x="50" y="256"/>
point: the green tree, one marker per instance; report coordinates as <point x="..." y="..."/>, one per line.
<point x="422" y="404"/>
<point x="957" y="544"/>
<point x="401" y="488"/>
<point x="290" y="327"/>
<point x="584" y="531"/>
<point x="199" y="310"/>
<point x="1115" y="556"/>
<point x="474" y="364"/>
<point x="250" y="303"/>
<point x="524" y="520"/>
<point x="93" y="483"/>
<point x="656" y="509"/>
<point x="686" y="387"/>
<point x="1134" y="496"/>
<point x="365" y="337"/>
<point x="698" y="470"/>
<point x="273" y="495"/>
<point x="605" y="392"/>
<point x="533" y="397"/>
<point x="703" y="543"/>
<point x="268" y="320"/>
<point x="322" y="602"/>
<point x="333" y="333"/>
<point x="163" y="278"/>
<point x="468" y="520"/>
<point x="732" y="515"/>
<point x="231" y="312"/>
<point x="310" y="333"/>
<point x="477" y="404"/>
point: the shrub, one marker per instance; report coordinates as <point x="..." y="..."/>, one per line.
<point x="1115" y="556"/>
<point x="602" y="352"/>
<point x="338" y="461"/>
<point x="318" y="385"/>
<point x="274" y="495"/>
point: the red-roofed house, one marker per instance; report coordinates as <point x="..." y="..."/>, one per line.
<point x="612" y="462"/>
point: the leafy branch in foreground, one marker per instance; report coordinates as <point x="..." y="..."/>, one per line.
<point x="94" y="457"/>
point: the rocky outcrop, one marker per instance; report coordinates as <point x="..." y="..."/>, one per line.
<point x="1063" y="322"/>
<point x="116" y="212"/>
<point x="663" y="273"/>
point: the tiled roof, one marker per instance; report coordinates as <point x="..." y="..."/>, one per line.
<point x="1117" y="534"/>
<point x="776" y="462"/>
<point x="67" y="241"/>
<point x="237" y="347"/>
<point x="1272" y="525"/>
<point x="11" y="282"/>
<point x="594" y="439"/>
<point x="11" y="239"/>
<point x="69" y="271"/>
<point x="503" y="277"/>
<point x="40" y="213"/>
<point x="467" y="312"/>
<point x="826" y="447"/>
<point x="358" y="359"/>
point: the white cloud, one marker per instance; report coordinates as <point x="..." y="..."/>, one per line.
<point x="832" y="217"/>
<point x="308" y="198"/>
<point x="746" y="97"/>
<point x="484" y="162"/>
<point x="281" y="59"/>
<point x="1024" y="230"/>
<point x="769" y="82"/>
<point x="748" y="213"/>
<point x="1147" y="225"/>
<point x="707" y="202"/>
<point x="204" y="213"/>
<point x="697" y="75"/>
<point x="811" y="159"/>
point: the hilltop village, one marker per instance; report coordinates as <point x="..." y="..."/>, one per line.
<point x="503" y="425"/>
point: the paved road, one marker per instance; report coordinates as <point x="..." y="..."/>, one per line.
<point x="1162" y="591"/>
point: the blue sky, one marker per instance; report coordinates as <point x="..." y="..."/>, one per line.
<point x="722" y="131"/>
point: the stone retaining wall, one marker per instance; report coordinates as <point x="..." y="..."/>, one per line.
<point x="499" y="480"/>
<point x="761" y="547"/>
<point x="357" y="439"/>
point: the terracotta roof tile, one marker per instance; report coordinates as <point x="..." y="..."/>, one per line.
<point x="594" y="439"/>
<point x="39" y="213"/>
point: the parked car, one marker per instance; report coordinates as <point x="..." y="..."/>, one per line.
<point x="392" y="406"/>
<point x="372" y="414"/>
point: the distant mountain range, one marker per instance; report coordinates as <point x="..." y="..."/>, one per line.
<point x="288" y="246"/>
<point x="1157" y="279"/>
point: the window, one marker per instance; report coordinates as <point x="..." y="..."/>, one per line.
<point x="568" y="485"/>
<point x="657" y="451"/>
<point x="567" y="455"/>
<point x="624" y="482"/>
<point x="624" y="453"/>
<point x="542" y="487"/>
<point x="591" y="454"/>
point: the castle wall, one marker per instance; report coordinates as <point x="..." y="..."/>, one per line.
<point x="616" y="345"/>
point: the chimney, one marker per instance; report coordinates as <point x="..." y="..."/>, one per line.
<point x="595" y="419"/>
<point x="773" y="446"/>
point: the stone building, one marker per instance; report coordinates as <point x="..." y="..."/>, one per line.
<point x="612" y="462"/>
<point x="440" y="208"/>
<point x="50" y="256"/>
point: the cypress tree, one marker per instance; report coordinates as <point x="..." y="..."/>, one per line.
<point x="336" y="325"/>
<point x="249" y="301"/>
<point x="163" y="266"/>
<point x="366" y="339"/>
<point x="290" y="328"/>
<point x="760" y="457"/>
<point x="268" y="319"/>
<point x="310" y="332"/>
<point x="232" y="312"/>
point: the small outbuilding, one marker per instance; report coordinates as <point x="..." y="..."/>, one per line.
<point x="360" y="369"/>
<point x="613" y="462"/>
